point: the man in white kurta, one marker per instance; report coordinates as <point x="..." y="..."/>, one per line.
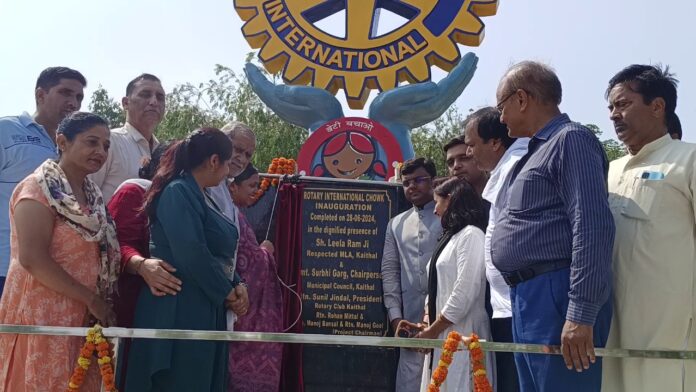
<point x="652" y="195"/>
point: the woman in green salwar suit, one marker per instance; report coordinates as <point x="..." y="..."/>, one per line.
<point x="190" y="232"/>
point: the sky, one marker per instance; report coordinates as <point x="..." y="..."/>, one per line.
<point x="180" y="41"/>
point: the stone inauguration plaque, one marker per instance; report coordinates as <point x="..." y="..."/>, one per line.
<point x="343" y="227"/>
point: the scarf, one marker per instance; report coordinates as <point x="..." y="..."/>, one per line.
<point x="432" y="275"/>
<point x="94" y="226"/>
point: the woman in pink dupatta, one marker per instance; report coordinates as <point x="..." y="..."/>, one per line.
<point x="255" y="367"/>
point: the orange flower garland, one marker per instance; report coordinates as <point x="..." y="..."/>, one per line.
<point x="448" y="349"/>
<point x="278" y="166"/>
<point x="478" y="364"/>
<point x="94" y="341"/>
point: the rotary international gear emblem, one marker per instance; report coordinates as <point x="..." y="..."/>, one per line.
<point x="361" y="58"/>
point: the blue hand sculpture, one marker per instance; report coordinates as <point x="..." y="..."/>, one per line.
<point x="414" y="105"/>
<point x="399" y="110"/>
<point x="304" y="106"/>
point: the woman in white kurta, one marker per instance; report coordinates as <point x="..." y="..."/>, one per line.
<point x="456" y="299"/>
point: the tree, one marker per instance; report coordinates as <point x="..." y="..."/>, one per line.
<point x="612" y="148"/>
<point x="185" y="113"/>
<point x="429" y="139"/>
<point x="230" y="97"/>
<point x="103" y="105"/>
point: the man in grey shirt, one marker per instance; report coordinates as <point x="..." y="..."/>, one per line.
<point x="410" y="240"/>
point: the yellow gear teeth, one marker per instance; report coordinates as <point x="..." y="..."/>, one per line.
<point x="290" y="40"/>
<point x="296" y="73"/>
<point x="387" y="82"/>
<point x="322" y="80"/>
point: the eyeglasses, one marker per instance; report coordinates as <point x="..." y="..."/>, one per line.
<point x="501" y="105"/>
<point x="416" y="181"/>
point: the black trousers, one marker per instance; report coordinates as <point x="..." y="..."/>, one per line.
<point x="506" y="376"/>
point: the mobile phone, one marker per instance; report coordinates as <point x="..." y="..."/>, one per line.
<point x="405" y="333"/>
<point x="406" y="330"/>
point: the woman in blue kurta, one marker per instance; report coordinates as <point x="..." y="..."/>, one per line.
<point x="189" y="231"/>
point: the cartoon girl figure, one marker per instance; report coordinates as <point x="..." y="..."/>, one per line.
<point x="350" y="155"/>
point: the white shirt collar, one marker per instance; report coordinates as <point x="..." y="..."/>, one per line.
<point x="653" y="146"/>
<point x="499" y="173"/>
<point x="138" y="137"/>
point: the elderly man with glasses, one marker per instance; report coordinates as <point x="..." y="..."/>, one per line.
<point x="554" y="234"/>
<point x="410" y="240"/>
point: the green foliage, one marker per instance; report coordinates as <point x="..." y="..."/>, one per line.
<point x="186" y="112"/>
<point x="613" y="148"/>
<point x="429" y="140"/>
<point x="103" y="105"/>
<point x="230" y="97"/>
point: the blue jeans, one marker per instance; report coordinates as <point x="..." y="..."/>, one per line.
<point x="539" y="307"/>
<point x="2" y="284"/>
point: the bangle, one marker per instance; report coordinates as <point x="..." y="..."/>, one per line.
<point x="241" y="282"/>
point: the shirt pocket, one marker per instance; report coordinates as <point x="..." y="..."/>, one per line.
<point x="646" y="198"/>
<point x="516" y="197"/>
<point x="528" y="192"/>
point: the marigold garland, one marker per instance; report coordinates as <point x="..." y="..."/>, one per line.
<point x="94" y="341"/>
<point x="280" y="166"/>
<point x="448" y="349"/>
<point x="478" y="364"/>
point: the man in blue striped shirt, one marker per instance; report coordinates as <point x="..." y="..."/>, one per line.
<point x="553" y="237"/>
